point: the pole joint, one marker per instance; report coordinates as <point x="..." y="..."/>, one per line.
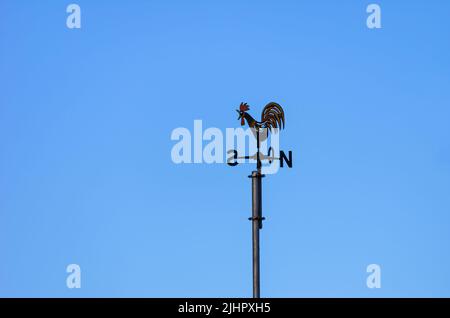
<point x="256" y="175"/>
<point x="256" y="218"/>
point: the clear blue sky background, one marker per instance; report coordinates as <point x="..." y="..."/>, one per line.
<point x="86" y="175"/>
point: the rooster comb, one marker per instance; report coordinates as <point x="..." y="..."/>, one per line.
<point x="244" y="107"/>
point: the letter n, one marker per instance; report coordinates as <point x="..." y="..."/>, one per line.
<point x="284" y="158"/>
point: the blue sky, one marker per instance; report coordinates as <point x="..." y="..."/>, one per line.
<point x="86" y="175"/>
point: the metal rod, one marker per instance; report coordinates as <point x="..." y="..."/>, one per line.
<point x="258" y="159"/>
<point x="256" y="226"/>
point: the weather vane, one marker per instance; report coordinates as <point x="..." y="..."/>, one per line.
<point x="272" y="118"/>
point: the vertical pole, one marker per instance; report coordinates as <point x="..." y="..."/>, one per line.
<point x="256" y="219"/>
<point x="256" y="226"/>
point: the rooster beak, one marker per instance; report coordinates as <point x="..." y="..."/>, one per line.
<point x="240" y="115"/>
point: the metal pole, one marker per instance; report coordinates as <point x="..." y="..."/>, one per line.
<point x="256" y="226"/>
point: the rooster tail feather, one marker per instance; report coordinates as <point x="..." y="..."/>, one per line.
<point x="273" y="116"/>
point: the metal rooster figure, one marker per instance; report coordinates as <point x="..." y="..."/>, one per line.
<point x="272" y="117"/>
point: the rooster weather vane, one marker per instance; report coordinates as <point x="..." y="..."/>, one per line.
<point x="272" y="117"/>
